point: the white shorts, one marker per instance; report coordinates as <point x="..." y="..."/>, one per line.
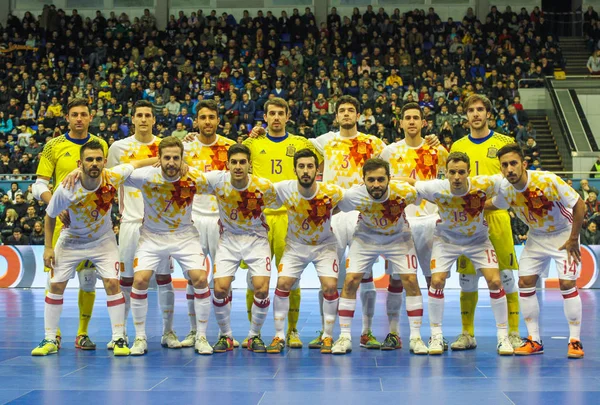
<point x="253" y="250"/>
<point x="297" y="256"/>
<point x="401" y="257"/>
<point x="129" y="237"/>
<point x="422" y="229"/>
<point x="103" y="252"/>
<point x="344" y="225"/>
<point x="541" y="249"/>
<point x="208" y="229"/>
<point x="444" y="255"/>
<point x="154" y="248"/>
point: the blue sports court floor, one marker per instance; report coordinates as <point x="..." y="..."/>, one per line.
<point x="296" y="376"/>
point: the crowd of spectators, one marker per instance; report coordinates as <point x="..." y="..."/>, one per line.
<point x="384" y="60"/>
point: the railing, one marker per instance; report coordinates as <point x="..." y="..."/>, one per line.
<point x="567" y="24"/>
<point x="530" y="80"/>
<point x="562" y="122"/>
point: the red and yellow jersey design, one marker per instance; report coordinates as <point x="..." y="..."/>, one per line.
<point x="461" y="216"/>
<point x="89" y="210"/>
<point x="345" y="157"/>
<point x="207" y="158"/>
<point x="545" y="204"/>
<point x="420" y="163"/>
<point x="381" y="221"/>
<point x="483" y="152"/>
<point x="241" y="212"/>
<point x="309" y="219"/>
<point x="125" y="151"/>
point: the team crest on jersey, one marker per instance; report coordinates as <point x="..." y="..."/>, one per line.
<point x="222" y="155"/>
<point x="290" y="151"/>
<point x="362" y="148"/>
<point x="321" y="210"/>
<point x="428" y="160"/>
<point x="492" y="153"/>
<point x="395" y="209"/>
<point x="537" y="202"/>
<point x="475" y="202"/>
<point x="251" y="204"/>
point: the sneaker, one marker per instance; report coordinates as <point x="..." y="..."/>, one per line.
<point x="505" y="347"/>
<point x="110" y="345"/>
<point x="464" y="341"/>
<point x="190" y="339"/>
<point x="316" y="342"/>
<point x="84" y="342"/>
<point x="342" y="346"/>
<point x="292" y="339"/>
<point x="45" y="348"/>
<point x="201" y="346"/>
<point x="276" y="345"/>
<point x="515" y="340"/>
<point x="120" y="347"/>
<point x="436" y="345"/>
<point x="529" y="347"/>
<point x="417" y="346"/>
<point x="236" y="344"/>
<point x="255" y="344"/>
<point x="368" y="341"/>
<point x="575" y="349"/>
<point x="139" y="348"/>
<point x="58" y="341"/>
<point x="326" y="344"/>
<point x="224" y="344"/>
<point x="170" y="340"/>
<point x="245" y="343"/>
<point x="392" y="342"/>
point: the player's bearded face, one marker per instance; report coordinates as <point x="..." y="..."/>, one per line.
<point x="477" y="116"/>
<point x="377" y="182"/>
<point x="458" y="175"/>
<point x="347" y="116"/>
<point x="239" y="166"/>
<point x="92" y="163"/>
<point x="207" y="121"/>
<point x="170" y="161"/>
<point x="306" y="170"/>
<point x="512" y="167"/>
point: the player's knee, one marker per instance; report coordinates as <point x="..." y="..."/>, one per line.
<point x="141" y="280"/>
<point x="527" y="282"/>
<point x="329" y="287"/>
<point x="87" y="280"/>
<point x="468" y="282"/>
<point x="438" y="283"/>
<point x="508" y="281"/>
<point x="352" y="282"/>
<point x="567" y="284"/>
<point x="286" y="283"/>
<point x="111" y="285"/>
<point x="164" y="279"/>
<point x="57" y="288"/>
<point x="495" y="284"/>
<point x="411" y="285"/>
<point x="395" y="281"/>
<point x="262" y="294"/>
<point x="220" y="290"/>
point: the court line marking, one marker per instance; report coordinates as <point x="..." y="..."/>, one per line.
<point x="160" y="382"/>
<point x="21" y="396"/>
<point x="79" y="369"/>
<point x="484" y="376"/>
<point x="381" y="384"/>
<point x="261" y="398"/>
<point x="511" y="401"/>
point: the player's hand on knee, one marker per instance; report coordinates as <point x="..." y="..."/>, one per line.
<point x="71" y="178"/>
<point x="573" y="250"/>
<point x="65" y="218"/>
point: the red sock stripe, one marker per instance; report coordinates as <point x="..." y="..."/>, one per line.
<point x="202" y="296"/>
<point x="189" y="296"/>
<point x="164" y="282"/>
<point x="52" y="301"/>
<point x="126" y="283"/>
<point x="527" y="294"/>
<point x="571" y="295"/>
<point x="498" y="295"/>
<point x="345" y="312"/>
<point x="139" y="296"/>
<point x="281" y="293"/>
<point x="262" y="304"/>
<point x="396" y="290"/>
<point x="229" y="299"/>
<point x="115" y="302"/>
<point x="415" y="312"/>
<point x="367" y="280"/>
<point x="439" y="294"/>
<point x="331" y="297"/>
<point x="220" y="304"/>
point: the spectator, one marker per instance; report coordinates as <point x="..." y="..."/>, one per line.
<point x="592" y="207"/>
<point x="180" y="132"/>
<point x="526" y="133"/>
<point x="593" y="63"/>
<point x="596" y="168"/>
<point x="29" y="220"/>
<point x="17" y="238"/>
<point x="20" y="206"/>
<point x="531" y="150"/>
<point x="519" y="229"/>
<point x="590" y="235"/>
<point x="11" y="220"/>
<point x="37" y="236"/>
<point x="13" y="192"/>
<point x="585" y="189"/>
<point x="185" y="119"/>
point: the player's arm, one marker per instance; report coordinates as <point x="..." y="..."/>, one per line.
<point x="45" y="171"/>
<point x="572" y="244"/>
<point x="405" y="179"/>
<point x="138" y="164"/>
<point x="41" y="189"/>
<point x="49" y="225"/>
<point x="432" y="140"/>
<point x="349" y="201"/>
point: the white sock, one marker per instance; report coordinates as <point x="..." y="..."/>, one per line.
<point x="126" y="289"/>
<point x="166" y="302"/>
<point x="260" y="309"/>
<point x="414" y="310"/>
<point x="500" y="310"/>
<point x="52" y="310"/>
<point x="281" y="306"/>
<point x="329" y="310"/>
<point x="222" y="314"/>
<point x="436" y="310"/>
<point x="202" y="309"/>
<point x="116" y="313"/>
<point x="189" y="295"/>
<point x="139" y="310"/>
<point x="572" y="306"/>
<point x="368" y="297"/>
<point x="346" y="309"/>
<point x="393" y="303"/>
<point x="530" y="308"/>
<point x="321" y="303"/>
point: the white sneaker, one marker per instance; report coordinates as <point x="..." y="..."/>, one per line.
<point x="505" y="347"/>
<point x="236" y="344"/>
<point x="464" y="341"/>
<point x="170" y="340"/>
<point x="202" y="346"/>
<point x="139" y="348"/>
<point x="111" y="345"/>
<point x="515" y="340"/>
<point x="436" y="345"/>
<point x="417" y="346"/>
<point x="342" y="346"/>
<point x="189" y="340"/>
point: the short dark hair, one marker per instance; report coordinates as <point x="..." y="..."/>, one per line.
<point x="78" y="102"/>
<point x="278" y="102"/>
<point x="238" y="148"/>
<point x="458" y="157"/>
<point x="511" y="148"/>
<point x="210" y="104"/>
<point x="168" y="142"/>
<point x="143" y="104"/>
<point x="411" y="106"/>
<point x="305" y="153"/>
<point x="374" y="164"/>
<point x="347" y="100"/>
<point x="91" y="145"/>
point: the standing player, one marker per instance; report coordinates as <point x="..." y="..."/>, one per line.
<point x="462" y="230"/>
<point x="414" y="158"/>
<point x="481" y="145"/>
<point x="344" y="154"/>
<point x="382" y="230"/>
<point x="273" y="159"/>
<point x="143" y="144"/>
<point x="206" y="152"/>
<point x="89" y="237"/>
<point x="59" y="158"/>
<point x="310" y="239"/>
<point x="167" y="230"/>
<point x="242" y="199"/>
<point x="554" y="213"/>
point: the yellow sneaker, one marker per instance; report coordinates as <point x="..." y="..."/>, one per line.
<point x="293" y="339"/>
<point x="120" y="348"/>
<point x="45" y="348"/>
<point x="276" y="345"/>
